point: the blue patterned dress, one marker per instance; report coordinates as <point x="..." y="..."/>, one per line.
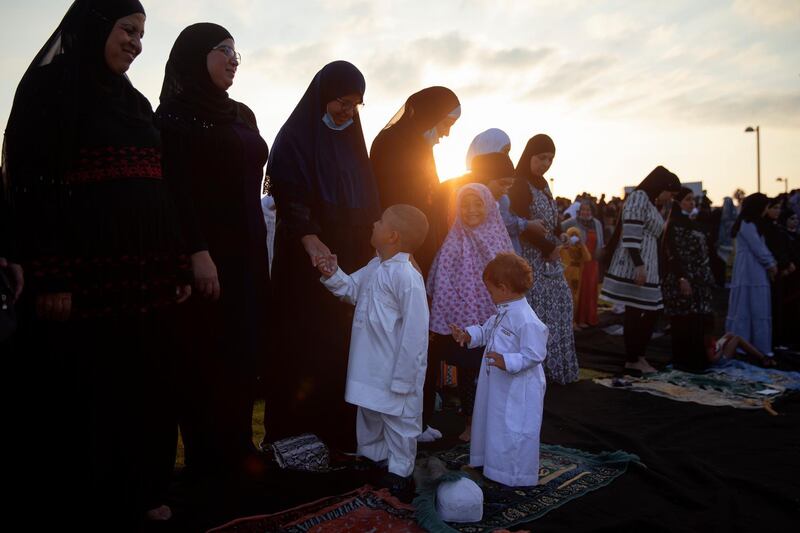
<point x="550" y="296"/>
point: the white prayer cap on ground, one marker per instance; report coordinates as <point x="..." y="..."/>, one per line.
<point x="459" y="501"/>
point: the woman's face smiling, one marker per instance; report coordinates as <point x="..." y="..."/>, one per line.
<point x="473" y="210"/>
<point x="221" y="66"/>
<point x="124" y="43"/>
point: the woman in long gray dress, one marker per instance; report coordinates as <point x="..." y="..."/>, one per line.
<point x="550" y="296"/>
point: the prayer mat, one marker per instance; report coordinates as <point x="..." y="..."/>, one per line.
<point x="564" y="475"/>
<point x="707" y="389"/>
<point x="364" y="509"/>
<point x="789" y="380"/>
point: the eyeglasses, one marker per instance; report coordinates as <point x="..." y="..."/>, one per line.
<point x="229" y="52"/>
<point x="348" y="106"/>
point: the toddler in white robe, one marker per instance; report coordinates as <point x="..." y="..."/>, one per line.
<point x="507" y="417"/>
<point x="389" y="340"/>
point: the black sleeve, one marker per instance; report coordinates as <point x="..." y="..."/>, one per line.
<point x="37" y="201"/>
<point x="674" y="263"/>
<point x="177" y="155"/>
<point x="6" y="232"/>
<point x="294" y="202"/>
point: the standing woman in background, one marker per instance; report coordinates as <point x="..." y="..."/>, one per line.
<point x="633" y="278"/>
<point x="549" y="296"/>
<point x="687" y="285"/>
<point x="95" y="233"/>
<point x="405" y="170"/>
<point x="779" y="244"/>
<point x="327" y="201"/>
<point x="214" y="158"/>
<point x="749" y="303"/>
<point x="592" y="232"/>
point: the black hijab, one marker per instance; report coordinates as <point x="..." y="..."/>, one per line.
<point x="402" y="158"/>
<point x="424" y="109"/>
<point x="67" y="81"/>
<point x="677" y="218"/>
<point x="658" y="181"/>
<point x="752" y="209"/>
<point x="492" y="166"/>
<point x="332" y="166"/>
<point x="187" y="84"/>
<point x="520" y="194"/>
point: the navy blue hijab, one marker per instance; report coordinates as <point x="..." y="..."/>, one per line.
<point x="332" y="166"/>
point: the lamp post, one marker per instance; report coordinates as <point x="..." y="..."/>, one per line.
<point x="750" y="129"/>
<point x="785" y="184"/>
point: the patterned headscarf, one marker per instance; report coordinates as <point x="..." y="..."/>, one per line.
<point x="455" y="282"/>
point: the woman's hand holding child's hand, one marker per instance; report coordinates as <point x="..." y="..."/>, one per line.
<point x="460" y="336"/>
<point x="327" y="265"/>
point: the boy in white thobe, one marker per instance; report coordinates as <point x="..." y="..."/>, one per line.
<point x="507" y="416"/>
<point x="389" y="340"/>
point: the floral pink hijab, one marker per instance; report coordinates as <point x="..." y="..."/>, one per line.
<point x="455" y="281"/>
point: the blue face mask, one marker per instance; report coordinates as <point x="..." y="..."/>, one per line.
<point x="328" y="120"/>
<point x="432" y="136"/>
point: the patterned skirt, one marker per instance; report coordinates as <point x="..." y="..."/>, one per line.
<point x="551" y="300"/>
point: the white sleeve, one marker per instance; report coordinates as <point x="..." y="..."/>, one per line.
<point x="413" y="341"/>
<point x="343" y="286"/>
<point x="479" y="335"/>
<point x="532" y="348"/>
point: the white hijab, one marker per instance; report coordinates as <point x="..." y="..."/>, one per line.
<point x="487" y="142"/>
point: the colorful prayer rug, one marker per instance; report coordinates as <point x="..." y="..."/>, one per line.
<point x="564" y="475"/>
<point x="364" y="509"/>
<point x="707" y="389"/>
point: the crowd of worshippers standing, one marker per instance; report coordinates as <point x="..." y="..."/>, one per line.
<point x="149" y="303"/>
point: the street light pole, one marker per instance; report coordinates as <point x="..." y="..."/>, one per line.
<point x="785" y="184"/>
<point x="750" y="129"/>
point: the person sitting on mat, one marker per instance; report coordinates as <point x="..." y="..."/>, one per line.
<point x="507" y="417"/>
<point x="732" y="346"/>
<point x="389" y="343"/>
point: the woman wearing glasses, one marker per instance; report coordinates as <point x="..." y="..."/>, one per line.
<point x="213" y="158"/>
<point x="95" y="233"/>
<point x="326" y="199"/>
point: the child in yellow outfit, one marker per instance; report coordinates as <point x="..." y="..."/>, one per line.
<point x="574" y="255"/>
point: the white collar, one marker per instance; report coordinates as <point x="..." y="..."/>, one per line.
<point x="507" y="306"/>
<point x="399" y="257"/>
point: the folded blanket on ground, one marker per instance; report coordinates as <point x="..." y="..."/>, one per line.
<point x="714" y="389"/>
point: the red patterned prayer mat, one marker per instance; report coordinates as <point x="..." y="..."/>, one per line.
<point x="364" y="509"/>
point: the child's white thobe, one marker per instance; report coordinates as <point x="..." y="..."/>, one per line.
<point x="507" y="416"/>
<point x="388" y="357"/>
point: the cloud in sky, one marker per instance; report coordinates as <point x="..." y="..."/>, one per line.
<point x="612" y="26"/>
<point x="573" y="66"/>
<point x="770" y="13"/>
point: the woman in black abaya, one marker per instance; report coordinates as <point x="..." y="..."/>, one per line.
<point x="95" y="233"/>
<point x="214" y="158"/>
<point x="326" y="199"/>
<point x="405" y="170"/>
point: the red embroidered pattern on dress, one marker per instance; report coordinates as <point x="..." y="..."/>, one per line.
<point x="113" y="163"/>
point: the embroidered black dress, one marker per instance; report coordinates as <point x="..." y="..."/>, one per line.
<point x="92" y="219"/>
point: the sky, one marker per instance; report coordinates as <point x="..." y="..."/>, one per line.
<point x="621" y="86"/>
